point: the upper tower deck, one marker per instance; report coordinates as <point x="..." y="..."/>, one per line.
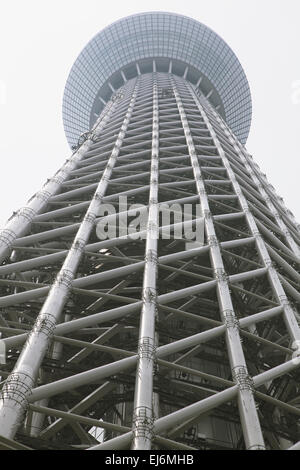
<point x="155" y="41"/>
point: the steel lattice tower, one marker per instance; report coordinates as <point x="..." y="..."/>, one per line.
<point x="152" y="343"/>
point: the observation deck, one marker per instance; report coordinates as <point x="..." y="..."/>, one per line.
<point x="162" y="42"/>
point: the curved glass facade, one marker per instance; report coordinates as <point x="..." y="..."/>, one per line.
<point x="162" y="35"/>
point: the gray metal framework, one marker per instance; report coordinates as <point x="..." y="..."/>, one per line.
<point x="152" y="343"/>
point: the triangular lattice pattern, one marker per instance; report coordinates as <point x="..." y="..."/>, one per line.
<point x="152" y="343"/>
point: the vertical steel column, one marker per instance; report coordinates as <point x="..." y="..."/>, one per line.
<point x="14" y="394"/>
<point x="21" y="220"/>
<point x="248" y="413"/>
<point x="289" y="315"/>
<point x="252" y="169"/>
<point x="263" y="183"/>
<point x="34" y="420"/>
<point x="143" y="418"/>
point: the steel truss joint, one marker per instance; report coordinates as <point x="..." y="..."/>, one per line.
<point x="78" y="245"/>
<point x="17" y="388"/>
<point x="147" y="349"/>
<point x="45" y="324"/>
<point x="7" y="237"/>
<point x="43" y="195"/>
<point x="90" y="218"/>
<point x="242" y="378"/>
<point x="65" y="278"/>
<point x="231" y="321"/>
<point x="212" y="240"/>
<point x="143" y="423"/>
<point x="220" y="275"/>
<point x="26" y="213"/>
<point x="151" y="257"/>
<point x="207" y="214"/>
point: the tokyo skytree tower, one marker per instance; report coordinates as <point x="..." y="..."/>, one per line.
<point x="136" y="340"/>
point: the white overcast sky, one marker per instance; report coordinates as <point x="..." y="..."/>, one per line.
<point x="40" y="40"/>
